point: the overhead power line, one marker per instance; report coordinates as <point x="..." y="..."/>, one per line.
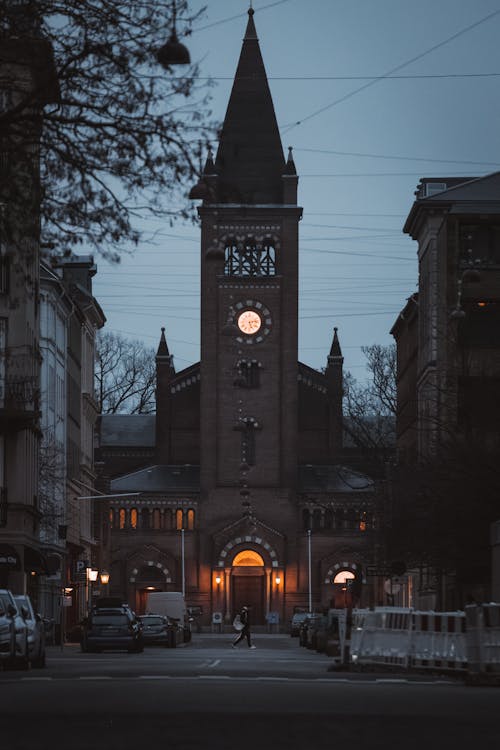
<point x="238" y="15"/>
<point x="349" y="95"/>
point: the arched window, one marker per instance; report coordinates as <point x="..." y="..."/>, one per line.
<point x="167" y="519"/>
<point x="250" y="257"/>
<point x="123" y="517"/>
<point x="156" y="519"/>
<point x="179" y="519"/>
<point x="190" y="519"/>
<point x="328" y="518"/>
<point x="133" y="518"/>
<point x="111" y="517"/>
<point x="145" y="518"/>
<point x="316" y="519"/>
<point x="248" y="558"/>
<point x="343" y="576"/>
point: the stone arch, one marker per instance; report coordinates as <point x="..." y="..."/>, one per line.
<point x="344" y="565"/>
<point x="225" y="553"/>
<point x="151" y="563"/>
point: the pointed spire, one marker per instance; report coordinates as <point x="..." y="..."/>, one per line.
<point x="335" y="350"/>
<point x="249" y="160"/>
<point x="162" y="346"/>
<point x="290" y="164"/>
<point x="251" y="32"/>
<point x="209" y="168"/>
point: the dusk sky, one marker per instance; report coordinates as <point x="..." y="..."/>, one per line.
<point x="372" y="95"/>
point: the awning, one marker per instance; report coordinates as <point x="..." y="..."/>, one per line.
<point x="9" y="558"/>
<point x="34" y="560"/>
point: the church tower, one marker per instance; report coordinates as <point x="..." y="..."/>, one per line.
<point x="249" y="300"/>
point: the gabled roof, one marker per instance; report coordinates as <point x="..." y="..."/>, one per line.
<point x="249" y="160"/>
<point x="477" y="195"/>
<point x="333" y="479"/>
<point x="160" y="478"/>
<point x="485" y="188"/>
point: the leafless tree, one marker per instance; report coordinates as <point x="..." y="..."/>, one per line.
<point x="370" y="409"/>
<point x="125" y="136"/>
<point x="125" y="375"/>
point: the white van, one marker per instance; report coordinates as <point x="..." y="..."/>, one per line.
<point x="173" y="605"/>
<point x="168" y="603"/>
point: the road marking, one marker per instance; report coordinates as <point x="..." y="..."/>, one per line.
<point x="33" y="679"/>
<point x="214" y="663"/>
<point x="95" y="677"/>
<point x="154" y="677"/>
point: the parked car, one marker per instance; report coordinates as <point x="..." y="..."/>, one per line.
<point x="295" y="623"/>
<point x="20" y="658"/>
<point x="7" y="633"/>
<point x="36" y="630"/>
<point x="304" y="628"/>
<point x="116" y="628"/>
<point x="157" y="629"/>
<point x="316" y="622"/>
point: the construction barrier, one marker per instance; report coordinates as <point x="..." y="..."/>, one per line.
<point x="381" y="636"/>
<point x="483" y="638"/>
<point x="438" y="641"/>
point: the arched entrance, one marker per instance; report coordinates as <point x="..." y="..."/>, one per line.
<point x="342" y="591"/>
<point x="248" y="584"/>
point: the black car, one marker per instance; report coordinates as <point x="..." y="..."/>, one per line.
<point x="157" y="629"/>
<point x="112" y="629"/>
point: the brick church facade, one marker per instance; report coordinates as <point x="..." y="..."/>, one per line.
<point x="239" y="489"/>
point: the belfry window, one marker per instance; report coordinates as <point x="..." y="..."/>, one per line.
<point x="250" y="257"/>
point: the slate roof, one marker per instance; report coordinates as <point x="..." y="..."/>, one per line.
<point x="333" y="479"/>
<point x="250" y="162"/>
<point x="160" y="478"/>
<point x="131" y="430"/>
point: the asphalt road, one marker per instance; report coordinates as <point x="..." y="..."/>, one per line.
<point x="207" y="695"/>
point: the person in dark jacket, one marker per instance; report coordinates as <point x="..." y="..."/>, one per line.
<point x="245" y="632"/>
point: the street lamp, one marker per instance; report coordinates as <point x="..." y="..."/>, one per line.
<point x="104" y="577"/>
<point x="183" y="573"/>
<point x="309" y="567"/>
<point x="173" y="52"/>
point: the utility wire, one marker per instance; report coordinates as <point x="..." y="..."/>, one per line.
<point x="238" y="15"/>
<point x="403" y="158"/>
<point x="344" y="98"/>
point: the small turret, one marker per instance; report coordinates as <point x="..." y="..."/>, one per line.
<point x="334" y="384"/>
<point x="165" y="371"/>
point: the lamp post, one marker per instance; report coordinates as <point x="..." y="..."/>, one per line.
<point x="92" y="574"/>
<point x="309" y="567"/>
<point x="183" y="575"/>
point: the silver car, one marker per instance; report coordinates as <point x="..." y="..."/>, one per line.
<point x="36" y="630"/>
<point x="21" y="653"/>
<point x="7" y="633"/>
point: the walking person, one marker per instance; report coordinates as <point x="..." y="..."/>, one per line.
<point x="245" y="631"/>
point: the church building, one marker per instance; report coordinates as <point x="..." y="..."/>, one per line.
<point x="239" y="492"/>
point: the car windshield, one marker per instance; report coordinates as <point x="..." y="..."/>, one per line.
<point x="109" y="619"/>
<point x="5" y="600"/>
<point x="153" y="620"/>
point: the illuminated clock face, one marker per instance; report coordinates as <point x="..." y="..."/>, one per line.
<point x="249" y="322"/>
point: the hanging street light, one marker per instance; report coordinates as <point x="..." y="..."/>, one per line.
<point x="173" y="52"/>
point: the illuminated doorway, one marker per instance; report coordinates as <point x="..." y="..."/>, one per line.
<point x="248" y="584"/>
<point x="342" y="591"/>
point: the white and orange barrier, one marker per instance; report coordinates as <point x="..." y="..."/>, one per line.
<point x="438" y="641"/>
<point x="381" y="636"/>
<point x="483" y="638"/>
